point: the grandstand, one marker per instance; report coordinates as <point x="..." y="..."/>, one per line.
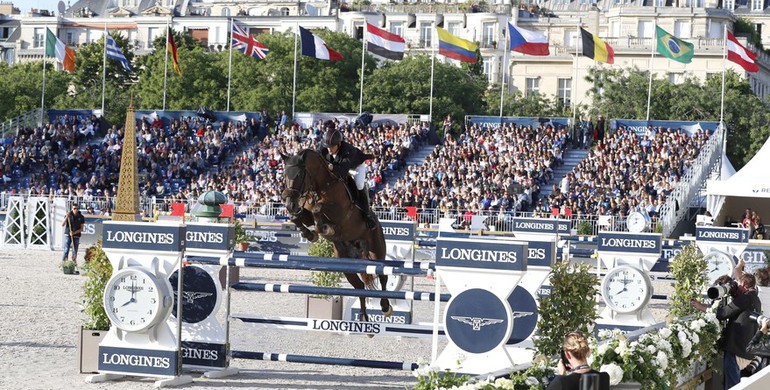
<point x="515" y="167"/>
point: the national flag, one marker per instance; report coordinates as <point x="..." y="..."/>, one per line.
<point x="314" y="46"/>
<point x="528" y="42"/>
<point x="672" y="47"/>
<point x="172" y="51"/>
<point x="246" y="43"/>
<point x="228" y="211"/>
<point x="411" y="212"/>
<point x="384" y="43"/>
<point x="740" y="55"/>
<point x="596" y="49"/>
<point x="114" y="52"/>
<point x="455" y="48"/>
<point x="54" y="47"/>
<point x="177" y="209"/>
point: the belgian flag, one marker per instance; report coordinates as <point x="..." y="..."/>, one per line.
<point x="595" y="48"/>
<point x="172" y="50"/>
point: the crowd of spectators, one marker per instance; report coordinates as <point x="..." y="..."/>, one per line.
<point x="625" y="172"/>
<point x="485" y="169"/>
<point x="181" y="160"/>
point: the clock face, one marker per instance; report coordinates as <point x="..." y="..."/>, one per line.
<point x="135" y="299"/>
<point x="636" y="222"/>
<point x="626" y="289"/>
<point x="718" y="264"/>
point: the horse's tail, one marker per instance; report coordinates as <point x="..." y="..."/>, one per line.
<point x="368" y="281"/>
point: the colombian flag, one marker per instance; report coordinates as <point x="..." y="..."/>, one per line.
<point x="455" y="48"/>
<point x="595" y="48"/>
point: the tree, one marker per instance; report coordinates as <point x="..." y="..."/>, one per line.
<point x="619" y="93"/>
<point x="23" y="87"/>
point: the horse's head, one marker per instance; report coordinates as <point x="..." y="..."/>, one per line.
<point x="294" y="173"/>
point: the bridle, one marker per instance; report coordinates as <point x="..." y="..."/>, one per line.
<point x="306" y="189"/>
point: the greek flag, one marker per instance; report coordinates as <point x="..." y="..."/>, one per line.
<point x="113" y="52"/>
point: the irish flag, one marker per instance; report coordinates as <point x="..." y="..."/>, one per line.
<point x="56" y="48"/>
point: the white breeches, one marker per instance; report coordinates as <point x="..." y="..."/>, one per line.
<point x="359" y="175"/>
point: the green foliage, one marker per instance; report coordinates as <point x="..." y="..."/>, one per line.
<point x="13" y="229"/>
<point x="475" y="69"/>
<point x="515" y="104"/>
<point x="323" y="248"/>
<point x="689" y="270"/>
<point x="533" y="378"/>
<point x="22" y="86"/>
<point x="98" y="272"/>
<point x="744" y="26"/>
<point x="570" y="306"/>
<point x="40" y="235"/>
<point x="584" y="228"/>
<point x="240" y="232"/>
<point x="431" y="380"/>
<point x="622" y="93"/>
<point x="68" y="266"/>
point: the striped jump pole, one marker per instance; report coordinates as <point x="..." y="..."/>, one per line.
<point x="330" y="265"/>
<point x="349" y="292"/>
<point x="288" y="257"/>
<point x="340" y="326"/>
<point x="282" y="357"/>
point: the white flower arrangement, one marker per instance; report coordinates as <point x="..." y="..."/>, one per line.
<point x="614" y="371"/>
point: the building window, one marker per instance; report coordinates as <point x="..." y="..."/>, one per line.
<point x="488" y="34"/>
<point x="397" y="28"/>
<point x="152" y="33"/>
<point x="225" y="11"/>
<point x="70" y="38"/>
<point x="533" y="86"/>
<point x="426" y="34"/>
<point x="729" y="4"/>
<point x="454" y="28"/>
<point x="646" y="29"/>
<point x="676" y="78"/>
<point x="756" y="5"/>
<point x="488" y="68"/>
<point x="682" y="29"/>
<point x="39" y="39"/>
<point x="285" y="11"/>
<point x="615" y="26"/>
<point x="565" y="91"/>
<point x="660" y="3"/>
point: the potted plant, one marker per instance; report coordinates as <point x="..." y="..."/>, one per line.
<point x="68" y="266"/>
<point x="97" y="271"/>
<point x="324" y="306"/>
<point x="241" y="238"/>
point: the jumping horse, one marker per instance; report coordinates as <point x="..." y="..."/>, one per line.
<point x="314" y="196"/>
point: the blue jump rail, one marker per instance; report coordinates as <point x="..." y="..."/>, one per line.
<point x="281" y="357"/>
<point x="349" y="292"/>
<point x="266" y="256"/>
<point x="328" y="265"/>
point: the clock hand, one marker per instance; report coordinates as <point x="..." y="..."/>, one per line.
<point x="132" y="300"/>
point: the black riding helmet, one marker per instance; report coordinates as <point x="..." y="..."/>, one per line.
<point x="332" y="136"/>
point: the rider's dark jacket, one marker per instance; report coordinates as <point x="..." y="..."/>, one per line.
<point x="348" y="157"/>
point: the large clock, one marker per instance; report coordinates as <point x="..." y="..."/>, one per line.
<point x="717" y="264"/>
<point x="626" y="289"/>
<point x="637" y="222"/>
<point x="135" y="299"/>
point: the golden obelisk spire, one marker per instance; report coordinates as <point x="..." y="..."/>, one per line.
<point x="127" y="207"/>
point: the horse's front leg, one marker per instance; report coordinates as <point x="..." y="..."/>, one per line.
<point x="385" y="306"/>
<point x="302" y="220"/>
<point x="323" y="225"/>
<point x="358" y="284"/>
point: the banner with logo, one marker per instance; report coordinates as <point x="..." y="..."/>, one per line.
<point x="640" y="127"/>
<point x="496" y="121"/>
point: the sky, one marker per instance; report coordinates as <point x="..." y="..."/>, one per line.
<point x="25" y="5"/>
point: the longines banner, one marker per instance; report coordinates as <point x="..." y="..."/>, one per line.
<point x="541" y="253"/>
<point x="629" y="242"/>
<point x="269" y="239"/>
<point x="535" y="225"/>
<point x="143" y="236"/>
<point x="640" y="127"/>
<point x="137" y="361"/>
<point x="487" y="254"/>
<point x="721" y="235"/>
<point x="92" y="231"/>
<point x="398" y="230"/>
<point x="495" y="121"/>
<point x="209" y="236"/>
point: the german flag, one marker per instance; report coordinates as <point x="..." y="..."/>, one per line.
<point x="596" y="49"/>
<point x="172" y="50"/>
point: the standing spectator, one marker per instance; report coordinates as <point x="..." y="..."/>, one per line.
<point x="73" y="228"/>
<point x="447" y="125"/>
<point x="601" y="125"/>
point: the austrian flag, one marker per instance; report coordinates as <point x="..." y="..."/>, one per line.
<point x="314" y="46"/>
<point x="740" y="55"/>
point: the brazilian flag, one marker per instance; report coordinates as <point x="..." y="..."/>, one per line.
<point x="672" y="47"/>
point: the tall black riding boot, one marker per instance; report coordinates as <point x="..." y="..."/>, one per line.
<point x="363" y="204"/>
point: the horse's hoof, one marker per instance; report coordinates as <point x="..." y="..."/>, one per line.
<point x="370" y="336"/>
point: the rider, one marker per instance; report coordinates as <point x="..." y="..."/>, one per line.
<point x="344" y="157"/>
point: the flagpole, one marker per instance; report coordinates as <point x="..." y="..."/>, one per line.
<point x="574" y="88"/>
<point x="165" y="66"/>
<point x="104" y="66"/>
<point x="294" y="86"/>
<point x="432" y="67"/>
<point x="649" y="86"/>
<point x="724" y="70"/>
<point x="45" y="56"/>
<point x="363" y="52"/>
<point x="230" y="65"/>
<point x="504" y="69"/>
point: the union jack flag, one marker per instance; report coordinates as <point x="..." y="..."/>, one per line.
<point x="247" y="44"/>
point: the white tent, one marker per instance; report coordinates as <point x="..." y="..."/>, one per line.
<point x="747" y="188"/>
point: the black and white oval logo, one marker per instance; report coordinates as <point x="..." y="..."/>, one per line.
<point x="199" y="294"/>
<point x="477" y="321"/>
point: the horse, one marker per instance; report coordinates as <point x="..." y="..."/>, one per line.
<point x="314" y="196"/>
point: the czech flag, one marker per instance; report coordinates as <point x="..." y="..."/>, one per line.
<point x="528" y="42"/>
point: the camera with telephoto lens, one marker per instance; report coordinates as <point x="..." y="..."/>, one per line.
<point x="722" y="290"/>
<point x="755" y="316"/>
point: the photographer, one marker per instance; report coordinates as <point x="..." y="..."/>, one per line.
<point x="739" y="327"/>
<point x="573" y="364"/>
<point x="759" y="344"/>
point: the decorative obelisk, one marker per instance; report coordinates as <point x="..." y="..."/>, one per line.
<point x="127" y="207"/>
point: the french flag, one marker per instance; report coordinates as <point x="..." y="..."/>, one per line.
<point x="528" y="42"/>
<point x="314" y="46"/>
